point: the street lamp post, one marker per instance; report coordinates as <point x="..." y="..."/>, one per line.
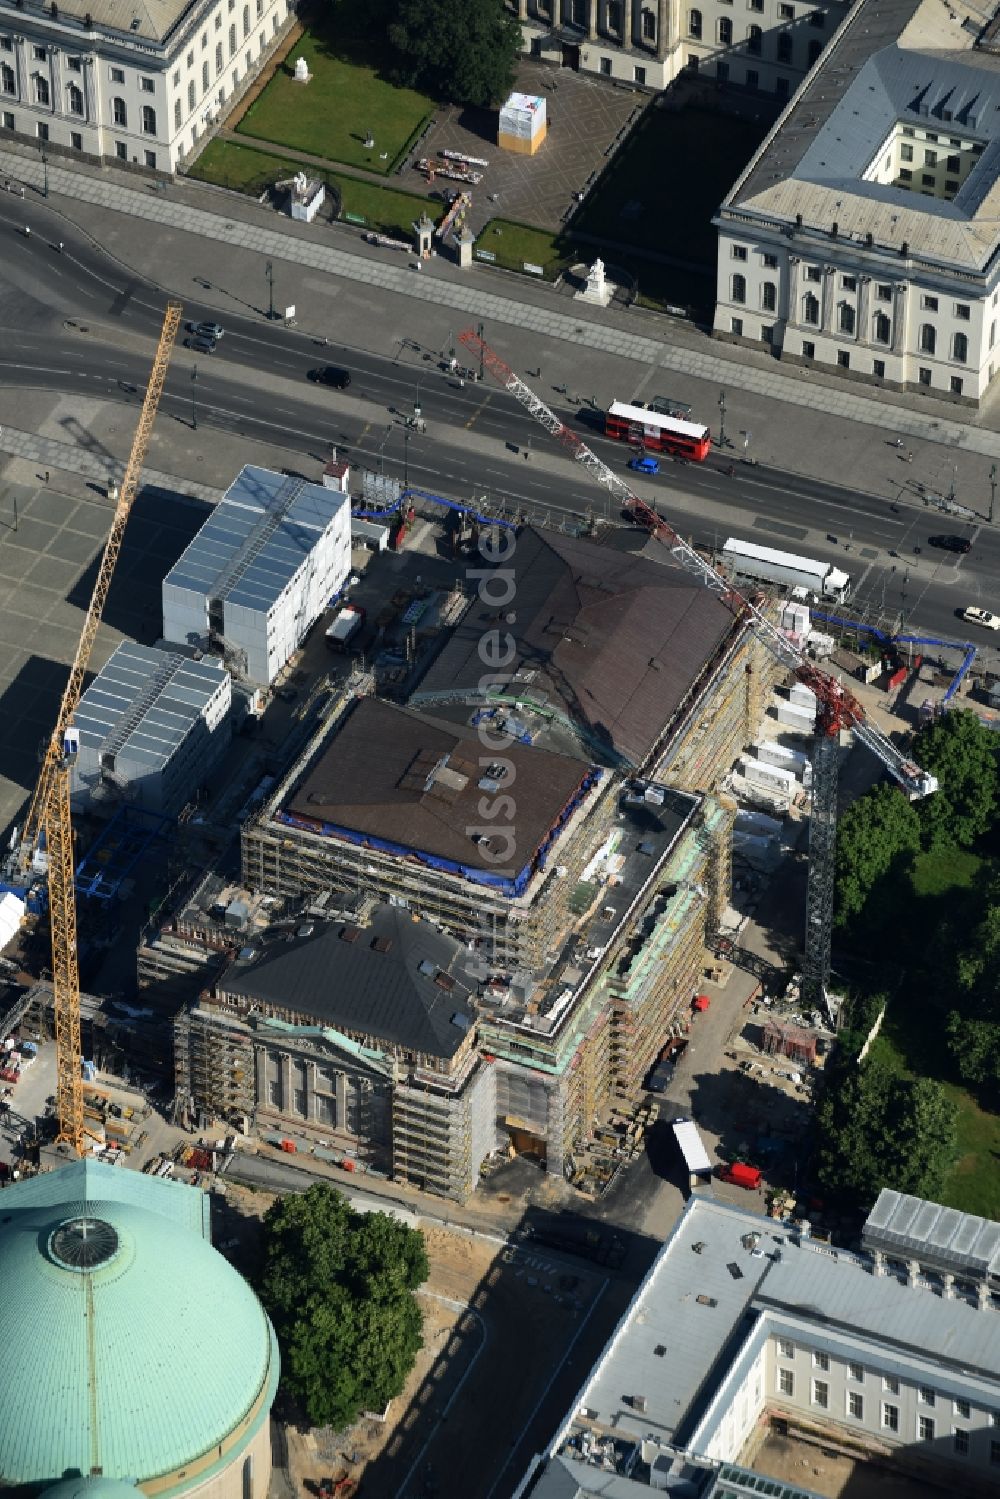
<point x="406" y="457"/>
<point x="722" y="419"/>
<point x="45" y="175"/>
<point x="482" y="351"/>
<point x="269" y="273"/>
<point x="993" y="490"/>
<point x="194" y="409"/>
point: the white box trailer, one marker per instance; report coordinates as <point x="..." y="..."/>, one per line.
<point x="745" y="559"/>
<point x="689" y="1142"/>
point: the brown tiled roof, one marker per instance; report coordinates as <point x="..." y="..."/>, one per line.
<point x="392" y="774"/>
<point x="615" y="641"/>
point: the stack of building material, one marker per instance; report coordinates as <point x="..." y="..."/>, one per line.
<point x="774" y="779"/>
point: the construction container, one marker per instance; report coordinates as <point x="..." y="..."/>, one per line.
<point x="795" y="716"/>
<point x="803" y="695"/>
<point x="522" y="126"/>
<point x="772" y="777"/>
<point x="786" y="758"/>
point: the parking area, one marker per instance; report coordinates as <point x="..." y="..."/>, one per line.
<point x="585" y="117"/>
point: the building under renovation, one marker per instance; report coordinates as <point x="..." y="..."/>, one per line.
<point x="556" y="821"/>
<point x="259" y="573"/>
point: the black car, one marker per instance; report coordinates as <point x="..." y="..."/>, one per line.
<point x="200" y="344"/>
<point x="952" y="543"/>
<point x="331" y="374"/>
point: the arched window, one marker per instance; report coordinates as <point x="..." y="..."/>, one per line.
<point x="148" y="120"/>
<point x="75" y="98"/>
<point x="694" y="24"/>
<point x="204" y="76"/>
<point x="8" y="82"/>
<point x="739" y="292"/>
<point x="118" y="112"/>
<point x="847" y="318"/>
<point x="769" y="296"/>
<point x="784" y="46"/>
<point x="755" y="39"/>
<point x="928" y="338"/>
<point x="810" y="308"/>
<point x="246" y="20"/>
<point x="883" y="328"/>
<point x="960" y="348"/>
<point x="725" y="32"/>
<point x="218" y="59"/>
<point x="232" y="41"/>
<point x="815" y="48"/>
<point x="191" y="94"/>
<point x="41" y="89"/>
<point x="177" y="114"/>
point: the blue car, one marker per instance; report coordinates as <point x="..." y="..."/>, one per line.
<point x="645" y="465"/>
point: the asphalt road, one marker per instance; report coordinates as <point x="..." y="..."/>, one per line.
<point x="76" y="320"/>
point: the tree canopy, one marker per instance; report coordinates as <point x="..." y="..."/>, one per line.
<point x="878" y="1128"/>
<point x="339" y="1287"/>
<point x="962" y="752"/>
<point x="464" y="51"/>
<point x="872" y="835"/>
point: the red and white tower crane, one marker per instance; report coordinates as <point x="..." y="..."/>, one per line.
<point x="836" y="708"/>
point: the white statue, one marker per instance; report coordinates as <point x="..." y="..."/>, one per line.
<point x="301" y="70"/>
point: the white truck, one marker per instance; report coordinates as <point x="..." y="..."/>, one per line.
<point x="346" y="625"/>
<point x="817" y="580"/>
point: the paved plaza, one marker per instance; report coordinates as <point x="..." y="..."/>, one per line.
<point x="585" y="119"/>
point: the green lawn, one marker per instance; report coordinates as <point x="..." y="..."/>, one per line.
<point x="661" y="191"/>
<point x="229" y="164"/>
<point x="513" y="244"/>
<point x="346" y="98"/>
<point x="943" y="880"/>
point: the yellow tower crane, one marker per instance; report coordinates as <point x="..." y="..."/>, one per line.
<point x="50" y="804"/>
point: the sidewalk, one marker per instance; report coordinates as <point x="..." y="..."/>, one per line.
<point x="229" y="219"/>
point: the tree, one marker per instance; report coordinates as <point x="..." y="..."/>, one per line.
<point x="339" y="1287"/>
<point x="873" y="836"/>
<point x="962" y="753"/>
<point x="974" y="1030"/>
<point x="461" y="50"/>
<point x="878" y="1128"/>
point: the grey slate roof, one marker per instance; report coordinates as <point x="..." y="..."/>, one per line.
<point x="392" y="774"/>
<point x="611" y="640"/>
<point x="256" y="538"/>
<point x="143" y="703"/>
<point x="388" y="994"/>
<point x="156" y="18"/>
<point x="695" y="1310"/>
<point x="893" y="60"/>
<point x="942" y="1238"/>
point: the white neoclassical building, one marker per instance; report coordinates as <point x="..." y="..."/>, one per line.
<point x="864" y="235"/>
<point x="130" y="81"/>
<point x="764" y="46"/>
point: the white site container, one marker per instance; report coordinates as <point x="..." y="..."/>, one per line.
<point x="772" y="777"/>
<point x="795" y="716"/>
<point x="804" y="695"/>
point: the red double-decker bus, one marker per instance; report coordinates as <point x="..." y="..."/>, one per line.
<point x="654" y="432"/>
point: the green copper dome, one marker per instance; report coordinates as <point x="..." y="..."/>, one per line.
<point x="133" y="1350"/>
